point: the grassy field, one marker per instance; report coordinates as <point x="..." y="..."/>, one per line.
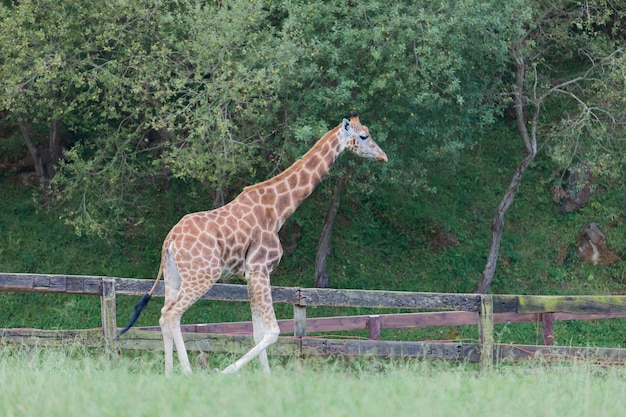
<point x="75" y="383"/>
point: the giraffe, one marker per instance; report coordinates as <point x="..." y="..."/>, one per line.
<point x="241" y="238"/>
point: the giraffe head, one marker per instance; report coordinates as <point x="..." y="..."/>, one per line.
<point x="358" y="140"/>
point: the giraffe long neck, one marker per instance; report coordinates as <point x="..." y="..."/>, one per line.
<point x="287" y="190"/>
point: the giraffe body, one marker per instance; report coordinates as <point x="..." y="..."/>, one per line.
<point x="241" y="238"/>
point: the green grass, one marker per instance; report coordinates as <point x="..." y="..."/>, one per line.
<point x="73" y="383"/>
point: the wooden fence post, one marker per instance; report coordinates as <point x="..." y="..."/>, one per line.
<point x="485" y="331"/>
<point x="299" y="320"/>
<point x="373" y="325"/>
<point x="109" y="322"/>
<point x="547" y="328"/>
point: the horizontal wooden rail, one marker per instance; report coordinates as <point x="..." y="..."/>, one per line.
<point x="387" y="321"/>
<point x="239" y="344"/>
<point x="577" y="304"/>
<point x="310" y="346"/>
<point x="88" y="285"/>
<point x="502" y="303"/>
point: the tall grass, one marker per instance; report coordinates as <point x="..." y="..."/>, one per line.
<point x="70" y="383"/>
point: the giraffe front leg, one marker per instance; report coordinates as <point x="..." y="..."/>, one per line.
<point x="258" y="329"/>
<point x="260" y="291"/>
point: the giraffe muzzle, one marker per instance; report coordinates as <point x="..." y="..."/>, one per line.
<point x="381" y="158"/>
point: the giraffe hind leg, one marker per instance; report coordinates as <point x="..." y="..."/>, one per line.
<point x="181" y="293"/>
<point x="173" y="322"/>
<point x="171" y="280"/>
<point x="172" y="334"/>
<point x="175" y="305"/>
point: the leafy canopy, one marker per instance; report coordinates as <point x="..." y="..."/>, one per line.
<point x="224" y="94"/>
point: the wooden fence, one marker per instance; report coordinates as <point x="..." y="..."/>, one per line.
<point x="467" y="309"/>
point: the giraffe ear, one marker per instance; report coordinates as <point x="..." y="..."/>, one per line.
<point x="346" y="125"/>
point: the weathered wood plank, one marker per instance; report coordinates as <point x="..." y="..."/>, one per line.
<point x="485" y="331"/>
<point x="349" y="323"/>
<point x="16" y="282"/>
<point x="336" y="324"/>
<point x="314" y="325"/>
<point x="287" y="295"/>
<point x="299" y="320"/>
<point x="195" y="342"/>
<point x="385" y="348"/>
<point x="74" y="284"/>
<point x="428" y="319"/>
<point x="598" y="304"/>
<point x="219" y="292"/>
<point x="525" y="352"/>
<point x="389" y="299"/>
<point x="133" y="286"/>
<point x="373" y="326"/>
<point x="85" y="285"/>
<point x="109" y="321"/>
<point x="294" y="347"/>
<point x="52" y="338"/>
<point x="585" y="316"/>
<point x="232" y="292"/>
<point x="51" y="283"/>
<point x="239" y="344"/>
<point x="547" y="328"/>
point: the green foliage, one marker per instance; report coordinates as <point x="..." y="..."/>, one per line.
<point x="228" y="93"/>
<point x="12" y="146"/>
<point x="575" y="66"/>
<point x="228" y="78"/>
<point x="410" y="65"/>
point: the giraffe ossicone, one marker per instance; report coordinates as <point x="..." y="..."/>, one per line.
<point x="241" y="238"/>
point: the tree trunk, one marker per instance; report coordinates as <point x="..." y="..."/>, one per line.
<point x="56" y="149"/>
<point x="530" y="142"/>
<point x="323" y="246"/>
<point x="497" y="226"/>
<point x="45" y="162"/>
<point x="40" y="169"/>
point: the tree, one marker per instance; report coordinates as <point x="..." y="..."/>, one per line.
<point x="39" y="61"/>
<point x="583" y="119"/>
<point x="145" y="89"/>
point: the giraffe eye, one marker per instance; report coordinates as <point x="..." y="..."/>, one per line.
<point x="363" y="137"/>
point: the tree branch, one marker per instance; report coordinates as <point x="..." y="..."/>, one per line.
<point x="530" y="141"/>
<point x="323" y="247"/>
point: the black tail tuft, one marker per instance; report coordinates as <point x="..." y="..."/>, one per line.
<point x="133" y="318"/>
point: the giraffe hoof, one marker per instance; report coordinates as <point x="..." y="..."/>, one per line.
<point x="231" y="369"/>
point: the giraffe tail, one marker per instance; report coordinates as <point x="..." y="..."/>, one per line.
<point x="141" y="304"/>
